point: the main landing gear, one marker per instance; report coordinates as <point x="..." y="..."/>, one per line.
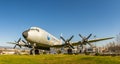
<point x="69" y="50"/>
<point x="34" y="52"/>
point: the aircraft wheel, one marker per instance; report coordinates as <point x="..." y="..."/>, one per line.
<point x="32" y="51"/>
<point x="36" y="51"/>
<point x="69" y="51"/>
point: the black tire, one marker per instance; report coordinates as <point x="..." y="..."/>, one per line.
<point x="36" y="51"/>
<point x="69" y="51"/>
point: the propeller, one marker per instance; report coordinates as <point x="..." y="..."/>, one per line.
<point x="85" y="40"/>
<point x="20" y="43"/>
<point x="27" y="44"/>
<point x="67" y="42"/>
<point x="17" y="43"/>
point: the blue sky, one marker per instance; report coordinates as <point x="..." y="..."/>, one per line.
<point x="70" y="17"/>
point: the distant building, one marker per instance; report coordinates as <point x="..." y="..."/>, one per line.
<point x="8" y="51"/>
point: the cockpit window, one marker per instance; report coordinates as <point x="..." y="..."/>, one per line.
<point x="37" y="30"/>
<point x="34" y="28"/>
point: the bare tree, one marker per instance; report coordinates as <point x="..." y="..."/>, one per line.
<point x="115" y="45"/>
<point x="118" y="39"/>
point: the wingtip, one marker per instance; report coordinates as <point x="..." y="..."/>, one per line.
<point x="112" y="37"/>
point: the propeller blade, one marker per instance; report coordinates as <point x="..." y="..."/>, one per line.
<point x="14" y="46"/>
<point x="19" y="46"/>
<point x="27" y="44"/>
<point x="90" y="45"/>
<point x="70" y="38"/>
<point x="62" y="38"/>
<point x="89" y="36"/>
<point x="67" y="42"/>
<point x="81" y="36"/>
<point x="11" y="43"/>
<point x="19" y="40"/>
<point x="24" y="42"/>
<point x="17" y="43"/>
<point x="72" y="46"/>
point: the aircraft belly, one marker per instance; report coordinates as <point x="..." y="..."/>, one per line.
<point x="43" y="45"/>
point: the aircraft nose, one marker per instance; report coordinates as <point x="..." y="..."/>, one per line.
<point x="25" y="34"/>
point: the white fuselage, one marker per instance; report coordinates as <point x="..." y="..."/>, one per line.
<point x="42" y="38"/>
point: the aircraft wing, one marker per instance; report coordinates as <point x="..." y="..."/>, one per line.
<point x="58" y="46"/>
<point x="78" y="43"/>
<point x="96" y="40"/>
<point x="11" y="42"/>
<point x="91" y="41"/>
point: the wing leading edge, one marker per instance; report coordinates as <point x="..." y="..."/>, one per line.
<point x="80" y="42"/>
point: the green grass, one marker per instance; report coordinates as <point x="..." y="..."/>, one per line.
<point x="58" y="59"/>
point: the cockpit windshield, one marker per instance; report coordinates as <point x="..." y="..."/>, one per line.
<point x="35" y="28"/>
